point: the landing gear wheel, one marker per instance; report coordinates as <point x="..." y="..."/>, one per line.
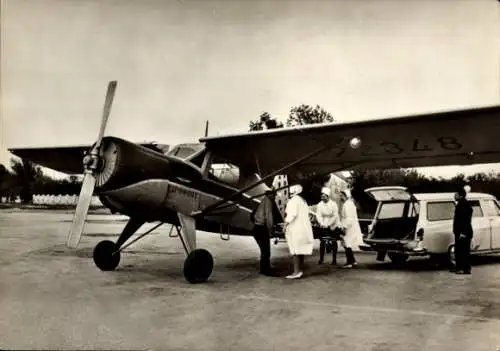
<point x="198" y="266"/>
<point x="104" y="258"/>
<point x="397" y="259"/>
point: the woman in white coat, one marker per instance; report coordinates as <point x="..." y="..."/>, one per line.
<point x="298" y="231"/>
<point x="327" y="215"/>
<point x="350" y="224"/>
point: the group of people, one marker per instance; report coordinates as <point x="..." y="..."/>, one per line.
<point x="338" y="225"/>
<point x="334" y="226"/>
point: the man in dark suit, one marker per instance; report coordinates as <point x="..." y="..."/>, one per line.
<point x="462" y="229"/>
<point x="264" y="217"/>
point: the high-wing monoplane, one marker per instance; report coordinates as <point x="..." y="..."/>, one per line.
<point x="215" y="184"/>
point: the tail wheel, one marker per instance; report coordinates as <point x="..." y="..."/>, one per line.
<point x="198" y="266"/>
<point x="105" y="257"/>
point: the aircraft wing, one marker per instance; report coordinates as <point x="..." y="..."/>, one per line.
<point x="458" y="137"/>
<point x="66" y="159"/>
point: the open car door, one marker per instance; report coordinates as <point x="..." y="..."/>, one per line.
<point x="396" y="215"/>
<point x="389" y="193"/>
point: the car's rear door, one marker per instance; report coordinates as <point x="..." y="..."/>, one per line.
<point x="492" y="212"/>
<point x="481" y="239"/>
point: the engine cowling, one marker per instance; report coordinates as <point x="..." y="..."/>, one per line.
<point x="122" y="163"/>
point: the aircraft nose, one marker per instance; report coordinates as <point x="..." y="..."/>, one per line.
<point x="123" y="163"/>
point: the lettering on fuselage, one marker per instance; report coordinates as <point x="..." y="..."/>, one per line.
<point x="182" y="198"/>
<point x="174" y="189"/>
<point x="383" y="148"/>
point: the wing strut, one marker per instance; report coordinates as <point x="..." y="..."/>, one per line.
<point x="333" y="170"/>
<point x="251" y="186"/>
<point x="216" y="205"/>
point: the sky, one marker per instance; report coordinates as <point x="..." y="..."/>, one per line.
<point x="180" y="63"/>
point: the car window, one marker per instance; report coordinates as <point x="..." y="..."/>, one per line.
<point x="389" y="194"/>
<point x="414" y="209"/>
<point x="497" y="207"/>
<point x="445" y="210"/>
<point x="491" y="208"/>
<point x="391" y="210"/>
<point x="476" y="209"/>
<point x="440" y="211"/>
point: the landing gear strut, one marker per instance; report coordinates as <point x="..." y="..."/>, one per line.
<point x="199" y="263"/>
<point x="107" y="253"/>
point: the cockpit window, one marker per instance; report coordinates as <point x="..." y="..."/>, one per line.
<point x="226" y="173"/>
<point x="185" y="151"/>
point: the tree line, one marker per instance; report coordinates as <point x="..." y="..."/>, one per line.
<point x="27" y="179"/>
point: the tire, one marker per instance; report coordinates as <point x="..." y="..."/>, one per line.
<point x="439" y="260"/>
<point x="397" y="258"/>
<point x="103" y="256"/>
<point x="198" y="266"/>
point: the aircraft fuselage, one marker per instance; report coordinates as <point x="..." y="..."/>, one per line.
<point x="140" y="182"/>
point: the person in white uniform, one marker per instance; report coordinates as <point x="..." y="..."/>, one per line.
<point x="298" y="231"/>
<point x="327" y="215"/>
<point x="350" y="224"/>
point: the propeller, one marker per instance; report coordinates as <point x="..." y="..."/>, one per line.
<point x="90" y="164"/>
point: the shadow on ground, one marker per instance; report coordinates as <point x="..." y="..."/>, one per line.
<point x="422" y="264"/>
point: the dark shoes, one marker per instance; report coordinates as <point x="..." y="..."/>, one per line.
<point x="334" y="263"/>
<point x="269" y="272"/>
<point x="459" y="271"/>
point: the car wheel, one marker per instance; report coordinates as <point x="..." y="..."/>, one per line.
<point x="398" y="258"/>
<point x="439" y="260"/>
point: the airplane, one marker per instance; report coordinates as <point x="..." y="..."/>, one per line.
<point x="180" y="185"/>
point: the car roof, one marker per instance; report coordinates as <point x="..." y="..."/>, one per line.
<point x="450" y="196"/>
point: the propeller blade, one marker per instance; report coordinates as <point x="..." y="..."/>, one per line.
<point x="110" y="94"/>
<point x="82" y="208"/>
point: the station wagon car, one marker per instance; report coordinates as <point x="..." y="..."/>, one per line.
<point x="407" y="224"/>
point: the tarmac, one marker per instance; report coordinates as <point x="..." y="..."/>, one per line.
<point x="52" y="297"/>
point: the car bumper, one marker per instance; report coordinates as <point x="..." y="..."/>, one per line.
<point x="410" y="248"/>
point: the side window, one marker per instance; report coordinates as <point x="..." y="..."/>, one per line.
<point x="414" y="209"/>
<point x="440" y="211"/>
<point x="226" y="173"/>
<point x="491" y="208"/>
<point x="497" y="207"/>
<point x="391" y="210"/>
<point x="183" y="152"/>
<point x="476" y="209"/>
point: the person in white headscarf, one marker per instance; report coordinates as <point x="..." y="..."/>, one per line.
<point x="350" y="225"/>
<point x="298" y="231"/>
<point x="327" y="216"/>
